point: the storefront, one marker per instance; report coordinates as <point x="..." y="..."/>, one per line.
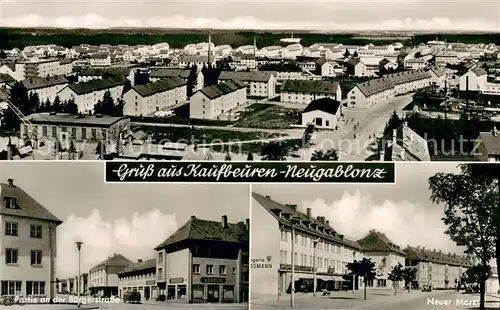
<point x="177" y="289"/>
<point x="139" y="277"/>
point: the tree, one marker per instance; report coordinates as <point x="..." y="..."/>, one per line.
<point x="100" y="149"/>
<point x="118" y="109"/>
<point x="470" y="214"/>
<point x="126" y="86"/>
<point x="308" y="132"/>
<point x="107" y="104"/>
<point x="364" y="268"/>
<point x="396" y="276"/>
<point x="355" y="55"/>
<point x="347" y="54"/>
<point x="3" y="55"/>
<point x="98" y="107"/>
<point x="192" y="80"/>
<point x="393" y="123"/>
<point x="409" y="275"/>
<point x="56" y="105"/>
<point x="70" y="107"/>
<point x="330" y="155"/>
<point x="274" y="151"/>
<point x="250" y="157"/>
<point x="71" y="149"/>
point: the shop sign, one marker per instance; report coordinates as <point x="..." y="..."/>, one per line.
<point x="214" y="280"/>
<point x="176" y="280"/>
<point x="261" y="263"/>
<point x="151" y="282"/>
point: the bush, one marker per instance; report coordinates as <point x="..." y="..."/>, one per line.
<point x="180" y="120"/>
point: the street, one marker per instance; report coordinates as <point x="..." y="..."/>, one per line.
<point x="381" y="300"/>
<point x="145" y="306"/>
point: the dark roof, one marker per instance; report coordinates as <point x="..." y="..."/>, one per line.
<point x="65" y="61"/>
<point x="323" y="104"/>
<point x="319" y="227"/>
<point x="353" y="61"/>
<point x="479" y="71"/>
<point x="377" y="242"/>
<point x="28" y="207"/>
<point x="491" y="142"/>
<point x="99" y="56"/>
<point x="384" y="62"/>
<point x="160" y="86"/>
<point x="253" y="76"/>
<point x="309" y="86"/>
<point x="95" y="85"/>
<point x="389" y="81"/>
<point x="6" y="78"/>
<point x="438" y="257"/>
<point x="117" y="260"/>
<point x="198" y="229"/>
<point x="42" y="82"/>
<point x="321" y="61"/>
<point x="438" y="71"/>
<point x="139" y="266"/>
<point x="223" y="88"/>
<point x="101" y="72"/>
<point x="169" y="73"/>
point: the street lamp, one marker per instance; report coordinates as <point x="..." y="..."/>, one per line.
<point x="292" y="287"/>
<point x="315" y="245"/>
<point x="79" y="247"/>
<point x="353" y="276"/>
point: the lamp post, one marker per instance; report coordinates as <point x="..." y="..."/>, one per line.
<point x="315" y="245"/>
<point x="353" y="276"/>
<point x="79" y="247"/>
<point x="292" y="285"/>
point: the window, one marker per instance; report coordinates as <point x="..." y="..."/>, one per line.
<point x="11" y="287"/>
<point x="284" y="235"/>
<point x="234" y="270"/>
<point x="94" y="133"/>
<point x="210" y="269"/>
<point x="381" y="283"/>
<point x="44" y="131"/>
<point x="73" y="132"/>
<point x="84" y="133"/>
<point x="196" y="269"/>
<point x="36" y="231"/>
<point x="10" y="203"/>
<point x="35" y="287"/>
<point x="12" y="256"/>
<point x="36" y="257"/>
<point x="11" y="229"/>
<point x="54" y="132"/>
<point x="160" y="258"/>
<point x="160" y="273"/>
<point x="222" y="269"/>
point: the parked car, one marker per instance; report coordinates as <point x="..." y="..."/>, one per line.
<point x="426" y="288"/>
<point x="132" y="297"/>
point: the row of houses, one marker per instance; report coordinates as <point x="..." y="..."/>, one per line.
<point x="203" y="261"/>
<point x="320" y="249"/>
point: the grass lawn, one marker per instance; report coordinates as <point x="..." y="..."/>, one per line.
<point x="255" y="148"/>
<point x="267" y="116"/>
<point x="201" y="136"/>
<point x="8" y="133"/>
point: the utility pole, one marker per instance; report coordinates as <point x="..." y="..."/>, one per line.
<point x="292" y="287"/>
<point x="79" y="247"/>
<point x="315" y="245"/>
<point x="353" y="276"/>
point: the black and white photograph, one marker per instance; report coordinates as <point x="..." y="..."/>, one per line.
<point x="77" y="242"/>
<point x="428" y="241"/>
<point x="232" y="80"/>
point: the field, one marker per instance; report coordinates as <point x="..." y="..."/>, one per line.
<point x="267" y="116"/>
<point x="178" y="38"/>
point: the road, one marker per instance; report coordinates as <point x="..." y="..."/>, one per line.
<point x="383" y="300"/>
<point x="145" y="306"/>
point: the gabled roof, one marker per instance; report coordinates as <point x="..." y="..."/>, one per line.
<point x="353" y="62"/>
<point x="168" y="73"/>
<point x="42" y="82"/>
<point x="6" y="78"/>
<point x="318" y="227"/>
<point x="438" y="257"/>
<point x="28" y="207"/>
<point x="105" y="71"/>
<point x="438" y="71"/>
<point x="160" y="86"/>
<point x="139" y="266"/>
<point x="479" y="71"/>
<point x="377" y="242"/>
<point x="384" y="62"/>
<point x="199" y="229"/>
<point x="222" y="89"/>
<point x="95" y="85"/>
<point x="326" y="105"/>
<point x="117" y="260"/>
<point x="409" y="146"/>
<point x="310" y="86"/>
<point x="253" y="76"/>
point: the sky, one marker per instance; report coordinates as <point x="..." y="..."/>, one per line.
<point x="129" y="219"/>
<point x="402" y="211"/>
<point x="425" y="15"/>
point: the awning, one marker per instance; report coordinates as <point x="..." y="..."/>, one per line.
<point x="304" y="276"/>
<point x="337" y="278"/>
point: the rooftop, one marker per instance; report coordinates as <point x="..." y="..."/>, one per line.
<point x="223" y="88"/>
<point x="26" y="206"/>
<point x="96" y="85"/>
<point x="160" y="86"/>
<point x="435" y="256"/>
<point x="310" y="86"/>
<point x="323" y="104"/>
<point x="254" y="76"/>
<point x="139" y="266"/>
<point x="376" y="241"/>
<point x="167" y="73"/>
<point x="116" y="260"/>
<point x="71" y="119"/>
<point x="42" y="82"/>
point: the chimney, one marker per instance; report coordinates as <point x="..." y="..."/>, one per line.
<point x="209" y="48"/>
<point x="10" y="182"/>
<point x="224" y="221"/>
<point x="247" y="223"/>
<point x="293" y="207"/>
<point x="139" y="261"/>
<point x="254" y="47"/>
<point x="309" y="213"/>
<point x="327" y="222"/>
<point x="268" y="197"/>
<point x="9" y="150"/>
<point x="423" y="248"/>
<point x="193" y="217"/>
<point x="382" y="152"/>
<point x="466" y="94"/>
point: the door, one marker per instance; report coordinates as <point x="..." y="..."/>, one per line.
<point x="318" y="121"/>
<point x="147" y="293"/>
<point x="213" y="293"/>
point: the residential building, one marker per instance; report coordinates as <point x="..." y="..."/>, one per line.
<point x="29" y="245"/>
<point x="387" y="65"/>
<point x="185" y="61"/>
<point x="324" y="112"/>
<point x="405" y="145"/>
<point x="473" y="81"/>
<point x="317" y="245"/>
<point x="156" y="74"/>
<point x="416" y="64"/>
<point x="491" y="90"/>
<point x="386" y="255"/>
<point x="205" y="261"/>
<point x="139" y="277"/>
<point x="245" y="62"/>
<point x="87" y="74"/>
<point x="14" y="71"/>
<point x="87" y="94"/>
<point x="212" y="101"/>
<point x="435" y="268"/>
<point x="64" y="127"/>
<point x="438" y="76"/>
<point x="70" y="285"/>
<point x="46" y="88"/>
<point x="39" y="68"/>
<point x="259" y="84"/>
<point x="306" y="91"/>
<point x="65" y="66"/>
<point x="100" y="60"/>
<point x="325" y="67"/>
<point x="103" y="278"/>
<point x="367" y="94"/>
<point x="149" y="98"/>
<point x="488" y="146"/>
<point x="355" y="67"/>
<point x="446" y="57"/>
